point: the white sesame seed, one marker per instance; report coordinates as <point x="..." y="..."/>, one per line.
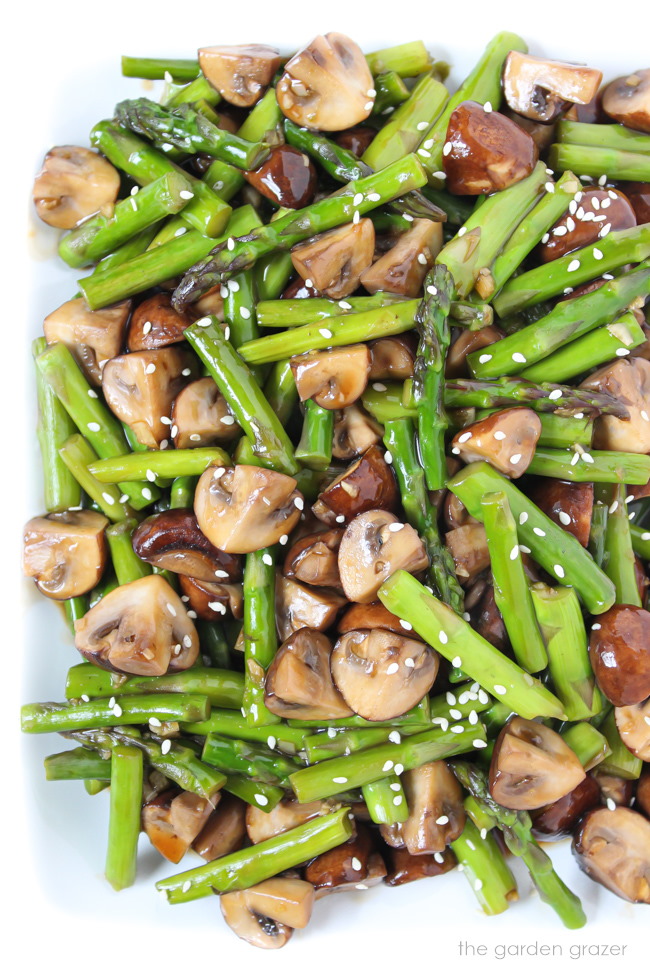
<point x="549" y="187"/>
<point x="395" y="737"/>
<point x="523" y="517"/>
<point x="146" y="493"/>
<point x="450" y="698"/>
<point x="446" y="149"/>
<point x="421" y="126"/>
<point x="499" y="689"/>
<point x="187" y="640"/>
<point x="387" y="766"/>
<point x="405" y="625"/>
<point x="375" y="198"/>
<point x="397" y="800"/>
<point x="545" y="238"/>
<point x="540" y="532"/>
<point x="299" y="503"/>
<point x="388" y="457"/>
<point x="186" y="372"/>
<point x="392" y="668"/>
<point x="150" y="476"/>
<point x="358" y="199"/>
<point x="266" y="559"/>
<point x="442" y="820"/>
<point x="515" y="458"/>
<point x="595" y="626"/>
<point x="379" y="387"/>
<point x="356" y="863"/>
<point x="356" y="217"/>
<point x="151" y="367"/>
<point x="456" y="729"/>
<point x="518" y="357"/>
<point x="395" y="527"/>
<point x="479" y="743"/>
<point x="524" y="550"/>
<point x="514" y="552"/>
<point x="573" y="265"/>
<point x="399" y="769"/>
<point x="409" y="662"/>
<point x="457" y="662"/>
<point x="230" y="244"/>
<point x="117" y="711"/>
<point x="260" y="799"/>
<point x="499" y="435"/>
<point x="422" y="259"/>
<point x="555" y="394"/>
<point x="621" y="352"/>
<point x="442" y="636"/>
<point x="485" y="357"/>
<point x="92" y="394"/>
<point x="610" y="803"/>
<point x="325" y="332"/>
<point x="396" y="786"/>
<point x="94" y="427"/>
<point x="564" y="517"/>
<point x="462" y="232"/>
<point x="455" y="714"/>
<point x="464" y="437"/>
<point x="340" y="519"/>
<point x="559" y="571"/>
<point x="340" y="780"/>
<point x="478" y="883"/>
<point x="108" y="497"/>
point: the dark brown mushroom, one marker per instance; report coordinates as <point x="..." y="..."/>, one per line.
<point x="382" y="674"/>
<point x="299" y="289"/>
<point x="73" y="184"/>
<point x="488" y="621"/>
<point x="639" y="196"/>
<point x="173" y="540"/>
<point x="404" y="868"/>
<point x="366" y="484"/>
<point x="345" y="866"/>
<point x="93" y="336"/>
<point x="393" y="357"/>
<point x="288" y="177"/>
<point x="327" y="85"/>
<point x="173" y="820"/>
<point x="614" y="789"/>
<point x="213" y="600"/>
<point x="560" y="818"/>
<point x="335" y="260"/>
<point x="469" y="550"/>
<point x="224" y="831"/>
<point x="155" y="324"/>
<point x="540" y="89"/>
<point x="628" y="380"/>
<point x="211" y="303"/>
<point x="468" y="341"/>
<point x="619" y="650"/>
<point x="485" y="151"/>
<point x="65" y="552"/>
<point x="140" y="628"/>
<point x="333" y="379"/>
<point x="633" y="723"/>
<point x="403" y="268"/>
<point x="354" y="432"/>
<point x="567" y="504"/>
<point x="542" y="134"/>
<point x="313" y="559"/>
<point x="242" y="509"/>
<point x="240" y="73"/>
<point x="628" y="100"/>
<point x="375" y="545"/>
<point x="370" y="616"/>
<point x="201" y="416"/>
<point x="643" y="792"/>
<point x="591" y="210"/>
<point x="532" y="766"/>
<point x="299" y="683"/>
<point x="288" y="814"/>
<point x="298" y="606"/>
<point x="356" y="139"/>
<point x="507" y="439"/>
<point x="612" y="846"/>
<point x="436" y="812"/>
<point x="265" y="915"/>
<point x="455" y="513"/>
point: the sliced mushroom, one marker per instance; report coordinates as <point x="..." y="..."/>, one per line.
<point x="436" y="812"/>
<point x="213" y="600"/>
<point x="314" y="559"/>
<point x="560" y="818"/>
<point x="65" y="552"/>
<point x="643" y="792"/>
<point x="354" y="432"/>
<point x="374" y="546"/>
<point x="265" y="915"/>
<point x="489" y="622"/>
<point x="356" y="139"/>
<point x="633" y="723"/>
<point x="299" y="289"/>
<point x="382" y="674"/>
<point x="639" y="196"/>
<point x="288" y="814"/>
<point x="619" y="650"/>
<point x="240" y="73"/>
<point x="298" y="606"/>
<point x="403" y="868"/>
<point x="344" y="866"/>
<point x="93" y="336"/>
<point x="366" y="484"/>
<point x="542" y="133"/>
<point x="532" y="766"/>
<point x="614" y="788"/>
<point x="299" y="683"/>
<point x="628" y="100"/>
<point x="224" y="831"/>
<point x="507" y="439"/>
<point x="173" y="820"/>
<point x="333" y="379"/>
<point x="201" y="416"/>
<point x="469" y="550"/>
<point x="567" y="504"/>
<point x="612" y="846"/>
<point x="211" y="303"/>
<point x="327" y="85"/>
<point x="540" y="89"/>
<point x="173" y="540"/>
<point x="370" y="616"/>
<point x="335" y="260"/>
<point x="140" y="388"/>
<point x="455" y="513"/>
<point x="485" y="151"/>
<point x="628" y="380"/>
<point x="242" y="509"/>
<point x="155" y="324"/>
<point x="456" y="363"/>
<point x="288" y="178"/>
<point x="73" y="184"/>
<point x="592" y="209"/>
<point x="403" y="268"/>
<point x="393" y="357"/>
<point x="139" y="628"/>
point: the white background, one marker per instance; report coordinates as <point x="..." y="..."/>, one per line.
<point x="60" y="71"/>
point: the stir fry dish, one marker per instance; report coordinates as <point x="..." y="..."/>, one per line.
<point x="346" y="452"/>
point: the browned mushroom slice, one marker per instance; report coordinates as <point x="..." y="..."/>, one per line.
<point x="288" y="177"/>
<point x="356" y="139"/>
<point x="643" y="792"/>
<point x="393" y="357"/>
<point x="140" y="388"/>
<point x="532" y="766"/>
<point x="633" y="723"/>
<point x="628" y="380"/>
<point x="456" y="364"/>
<point x="173" y="820"/>
<point x="540" y="89"/>
<point x="614" y="789"/>
<point x="592" y="209"/>
<point x="560" y="818"/>
<point x="65" y="552"/>
<point x="211" y="303"/>
<point x="93" y="336"/>
<point x="639" y="196"/>
<point x="299" y="683"/>
<point x="244" y="508"/>
<point x="213" y="600"/>
<point x="155" y="324"/>
<point x="567" y="504"/>
<point x="382" y="674"/>
<point x="327" y="85"/>
<point x="374" y="546"/>
<point x="455" y="513"/>
<point x="542" y="133"/>
<point x="403" y="268"/>
<point x="436" y="812"/>
<point x="488" y="620"/>
<point x="73" y="184"/>
<point x="201" y="417"/>
<point x="335" y="260"/>
<point x="173" y="540"/>
<point x="485" y="151"/>
<point x="354" y="432"/>
<point x="333" y="379"/>
<point x="225" y="830"/>
<point x="265" y="915"/>
<point x="469" y="550"/>
<point x="370" y="616"/>
<point x="240" y="73"/>
<point x="628" y="100"/>
<point x="344" y="866"/>
<point x="298" y="606"/>
<point x="366" y="484"/>
<point x="507" y="439"/>
<point x="140" y="628"/>
<point x="314" y="559"/>
<point x="619" y="649"/>
<point x="612" y="846"/>
<point x="403" y="868"/>
<point x="288" y="814"/>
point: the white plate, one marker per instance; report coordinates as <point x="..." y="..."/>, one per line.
<point x="61" y="74"/>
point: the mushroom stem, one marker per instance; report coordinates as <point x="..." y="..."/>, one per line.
<point x="485" y="869"/>
<point x="60" y="489"/>
<point x="253" y="761"/>
<point x="618" y="554"/>
<point x="260" y="635"/>
<point x="315" y="447"/>
<point x="402" y="132"/>
<point x="222" y="688"/>
<point x="232" y="724"/>
<point x="40" y="718"/>
<point x="124" y="816"/>
<point x="77" y="454"/>
<point x="590" y="746"/>
<point x="78" y="763"/>
<point x="604" y="466"/>
<point x="126" y="563"/>
<point x="161" y="463"/>
<point x="386" y="801"/>
<point x="595" y="161"/>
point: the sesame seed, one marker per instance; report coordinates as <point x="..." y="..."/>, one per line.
<point x="540" y="532"/>
<point x="357" y="199"/>
<point x="375" y="198"/>
<point x="397" y="800"/>
<point x="485" y="357"/>
<point x="442" y="820"/>
<point x="464" y="437"/>
<point x="150" y="475"/>
<point x="545" y="238"/>
<point x="387" y="766"/>
<point x="479" y="743"/>
<point x="595" y="626"/>
<point x="395" y="527"/>
<point x="108" y="497"/>
<point x="340" y="519"/>
<point x="186" y="372"/>
<point x="266" y="559"/>
<point x="499" y="689"/>
<point x="621" y="352"/>
<point x="146" y="493"/>
<point x="456" y="729"/>
<point x="399" y="769"/>
<point x="549" y="187"/>
<point x="325" y="332"/>
<point x="442" y="636"/>
<point x="499" y="435"/>
<point x="523" y="517"/>
<point x="455" y="714"/>
<point x="360" y="886"/>
<point x="379" y="387"/>
<point x="94" y="427"/>
<point x="613" y="506"/>
<point x="518" y="357"/>
<point x="151" y="367"/>
<point x="260" y="799"/>
<point x="457" y="662"/>
<point x="339" y="780"/>
<point x="187" y="640"/>
<point x="559" y="571"/>
<point x="356" y="863"/>
<point x="299" y="503"/>
<point x="462" y="232"/>
<point x="395" y="786"/>
<point x="92" y="394"/>
<point x="388" y="457"/>
<point x="555" y="394"/>
<point x="483" y="697"/>
<point x="564" y="517"/>
<point x="514" y="552"/>
<point x="611" y="804"/>
<point x="405" y="625"/>
<point x="409" y="662"/>
<point x="117" y="711"/>
<point x="524" y="550"/>
<point x="395" y="737"/>
<point x="392" y="668"/>
<point x="421" y="126"/>
<point x="230" y="244"/>
<point x="357" y="217"/>
<point x="515" y="458"/>
<point x="368" y="106"/>
<point x="573" y="266"/>
<point x="478" y="883"/>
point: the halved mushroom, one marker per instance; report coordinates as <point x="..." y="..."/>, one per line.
<point x="628" y="380"/>
<point x="628" y="100"/>
<point x="643" y="792"/>
<point x="224" y="831"/>
<point x="532" y="766"/>
<point x="633" y="723"/>
<point x="335" y="260"/>
<point x="354" y="432"/>
<point x="366" y="484"/>
<point x="382" y="674"/>
<point x="393" y="357"/>
<point x="485" y="151"/>
<point x="639" y="196"/>
<point x="469" y="550"/>
<point x="201" y="416"/>
<point x="612" y="846"/>
<point x="403" y="268"/>
<point x="245" y="508"/>
<point x="436" y="812"/>
<point x="213" y="600"/>
<point x="155" y="323"/>
<point x="173" y="540"/>
<point x="374" y="546"/>
<point x="240" y="73"/>
<point x="344" y="866"/>
<point x="333" y="379"/>
<point x="507" y="439"/>
<point x="327" y="85"/>
<point x="93" y="336"/>
<point x="265" y="915"/>
<point x="370" y="616"/>
<point x="173" y="820"/>
<point x="468" y="341"/>
<point x="65" y="552"/>
<point x="403" y="868"/>
<point x="299" y="683"/>
<point x="540" y="89"/>
<point x="567" y="504"/>
<point x="614" y="788"/>
<point x="73" y="184"/>
<point x="560" y="818"/>
<point x="139" y="628"/>
<point x="592" y="209"/>
<point x="288" y="814"/>
<point x="288" y="178"/>
<point x="314" y="559"/>
<point x="619" y="650"/>
<point x="140" y="388"/>
<point x="455" y="513"/>
<point x="298" y="606"/>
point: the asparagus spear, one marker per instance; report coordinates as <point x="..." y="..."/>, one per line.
<point x="597" y="162"/>
<point x="640" y="541"/>
<point x="335" y="741"/>
<point x="315" y="447"/>
<point x="619" y="561"/>
<point x="391" y="92"/>
<point x="598" y="528"/>
<point x="161" y="463"/>
<point x="239" y="308"/>
<point x="407" y="60"/>
<point x="178" y="69"/>
<point x="606" y="466"/>
<point x="254" y="761"/>
<point x="542" y="397"/>
<point x="234" y="725"/>
<point x="386" y="800"/>
<point x="259" y="794"/>
<point x="39" y="718"/>
<point x="485" y="869"/>
<point x="386" y="405"/>
<point x="124" y="816"/>
<point x="272" y="274"/>
<point x="260" y="640"/>
<point x="55" y="425"/>
<point x="181" y="494"/>
<point x="602" y="136"/>
<point x="128" y="567"/>
<point x="78" y="763"/>
<point x="280" y="390"/>
<point x="198" y="90"/>
<point x="590" y="746"/>
<point x="303" y="311"/>
<point x="222" y="688"/>
<point x="403" y="131"/>
<point x="620" y="761"/>
<point x="557" y="430"/>
<point x="77" y="454"/>
<point x="75" y="609"/>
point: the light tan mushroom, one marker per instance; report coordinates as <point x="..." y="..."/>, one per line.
<point x="327" y="85"/>
<point x="297" y="606"/>
<point x="633" y="723"/>
<point x="172" y="540"/>
<point x="393" y="357"/>
<point x="368" y="483"/>
<point x="93" y="336"/>
<point x="73" y="184"/>
<point x="225" y="830"/>
<point x="374" y="546"/>
<point x="288" y="814"/>
<point x="507" y="439"/>
<point x="333" y="379"/>
<point x="244" y="508"/>
<point x="201" y="417"/>
<point x="172" y="821"/>
<point x="265" y="915"/>
<point x="139" y="628"/>
<point x="335" y="260"/>
<point x="436" y="812"/>
<point x="354" y="432"/>
<point x="540" y="89"/>
<point x="313" y="559"/>
<point x="403" y="268"/>
<point x="628" y="380"/>
<point x="240" y="73"/>
<point x="299" y="683"/>
<point x="65" y="552"/>
<point x="628" y="100"/>
<point x="469" y="550"/>
<point x="612" y="846"/>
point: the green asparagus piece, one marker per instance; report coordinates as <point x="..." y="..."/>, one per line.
<point x="335" y="742"/>
<point x="542" y="397"/>
<point x="485" y="869"/>
<point x="589" y="351"/>
<point x="588" y="743"/>
<point x="160" y="463"/>
<point x="234" y="725"/>
<point x="386" y="405"/>
<point x="124" y="816"/>
<point x="75" y="609"/>
<point x="79" y="763"/>
<point x="178" y="69"/>
<point x="402" y="133"/>
<point x="260" y="640"/>
<point x="77" y="454"/>
<point x="597" y="531"/>
<point x="132" y="248"/>
<point x="254" y="761"/>
<point x="407" y="60"/>
<point x="39" y="718"/>
<point x="128" y="567"/>
<point x="272" y="274"/>
<point x="619" y="560"/>
<point x="596" y="162"/>
<point x="280" y="390"/>
<point x="602" y="136"/>
<point x="182" y="491"/>
<point x="457" y="208"/>
<point x="606" y="466"/>
<point x="315" y="447"/>
<point x="60" y="489"/>
<point x="386" y="801"/>
<point x="640" y="538"/>
<point x="288" y="313"/>
<point x="620" y="761"/>
<point x="391" y="92"/>
<point x="239" y="308"/>
<point x="258" y="794"/>
<point x="222" y="688"/>
<point x="198" y="90"/>
<point x="557" y="430"/>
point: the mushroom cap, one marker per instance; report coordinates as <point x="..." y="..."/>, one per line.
<point x="382" y="674"/>
<point x="403" y="268"/>
<point x="612" y="846"/>
<point x="595" y="206"/>
<point x="375" y="545"/>
<point x="368" y="483"/>
<point x="561" y="817"/>
<point x="354" y="432"/>
<point x="532" y="766"/>
<point x="173" y="540"/>
<point x="335" y="260"/>
<point x="213" y="600"/>
<point x="313" y="559"/>
<point x="288" y="814"/>
<point x="507" y="439"/>
<point x="403" y="868"/>
<point x="619" y="650"/>
<point x="265" y="915"/>
<point x="628" y="380"/>
<point x="539" y="89"/>
<point x="633" y="723"/>
<point x="469" y="550"/>
<point x="155" y="323"/>
<point x="333" y="379"/>
<point x="225" y="830"/>
<point x="327" y="85"/>
<point x="93" y="336"/>
<point x="244" y="508"/>
<point x="628" y="100"/>
<point x="288" y="177"/>
<point x="140" y="628"/>
<point x="299" y="683"/>
<point x="393" y="357"/>
<point x="344" y="866"/>
<point x="201" y="416"/>
<point x="569" y="504"/>
<point x="298" y="606"/>
<point x="369" y="616"/>
<point x="65" y="552"/>
<point x="172" y="820"/>
<point x="73" y="184"/>
<point x="240" y="73"/>
<point x="433" y="793"/>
